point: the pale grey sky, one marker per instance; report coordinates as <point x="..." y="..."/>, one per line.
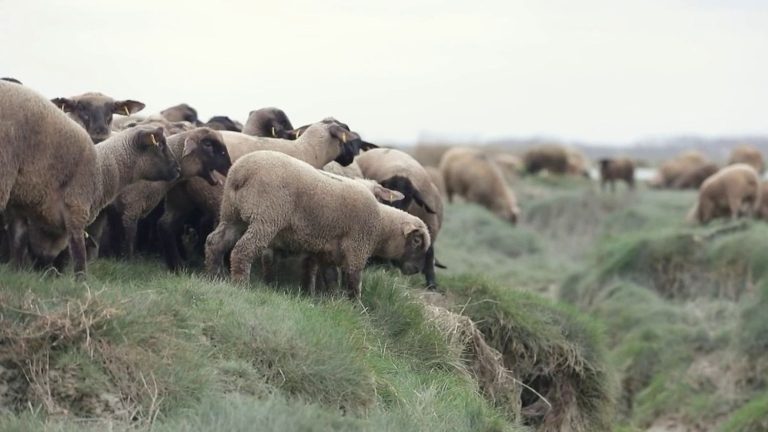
<point x="596" y="70"/>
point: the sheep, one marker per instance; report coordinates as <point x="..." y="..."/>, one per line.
<point x="613" y="170"/>
<point x="399" y="171"/>
<point x="224" y="123"/>
<point x="577" y="165"/>
<point x="762" y="212"/>
<point x="350" y="171"/>
<point x="181" y="112"/>
<point x="94" y="111"/>
<point x="79" y="178"/>
<point x="747" y="154"/>
<point x="693" y="177"/>
<point x="437" y="179"/>
<point x="322" y="142"/>
<point x="199" y="152"/>
<point x="671" y="172"/>
<point x="732" y="191"/>
<point x="474" y="176"/>
<point x="553" y="158"/>
<point x="268" y="122"/>
<point x="274" y="200"/>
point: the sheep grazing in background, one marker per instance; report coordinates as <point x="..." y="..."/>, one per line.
<point x="269" y="122"/>
<point x="550" y="158"/>
<point x="181" y="112"/>
<point x="322" y="143"/>
<point x="80" y="178"/>
<point x="749" y="155"/>
<point x="734" y="191"/>
<point x="683" y="171"/>
<point x="613" y="170"/>
<point x="274" y="200"/>
<point x="94" y="111"/>
<point x="578" y="164"/>
<point x="399" y="171"/>
<point x="473" y="175"/>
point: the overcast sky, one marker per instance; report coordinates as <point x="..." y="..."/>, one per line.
<point x="595" y="70"/>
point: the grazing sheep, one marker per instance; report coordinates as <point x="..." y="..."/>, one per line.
<point x="399" y="171"/>
<point x="181" y="112"/>
<point x="732" y="192"/>
<point x="274" y="200"/>
<point x="322" y="142"/>
<point x="613" y="170"/>
<point x="672" y="171"/>
<point x="93" y="111"/>
<point x="268" y="122"/>
<point x="749" y="155"/>
<point x="693" y="177"/>
<point x="199" y="152"/>
<point x="552" y="158"/>
<point x="79" y="178"/>
<point x="224" y="123"/>
<point x="473" y="175"/>
<point x="437" y="179"/>
<point x="578" y="165"/>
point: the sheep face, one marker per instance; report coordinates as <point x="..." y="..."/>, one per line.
<point x="415" y="250"/>
<point x="94" y="111"/>
<point x="181" y="112"/>
<point x="223" y="123"/>
<point x="155" y="160"/>
<point x="349" y="143"/>
<point x="204" y="153"/>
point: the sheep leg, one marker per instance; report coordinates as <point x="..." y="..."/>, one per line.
<point x="130" y="227"/>
<point x="248" y="247"/>
<point x="309" y="277"/>
<point x="78" y="253"/>
<point x="734" y="204"/>
<point x="169" y="227"/>
<point x="353" y="281"/>
<point x="18" y="240"/>
<point x="217" y="245"/>
<point x="329" y="276"/>
<point x="429" y="268"/>
<point x="268" y="272"/>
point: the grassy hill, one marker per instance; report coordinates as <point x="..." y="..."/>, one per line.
<point x="597" y="312"/>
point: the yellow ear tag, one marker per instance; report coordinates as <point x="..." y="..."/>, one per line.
<point x="391" y="196"/>
<point x="126" y="110"/>
<point x="62" y="108"/>
<point x="153" y="139"/>
<point x="273" y="132"/>
<point x="298" y="132"/>
<point x="344" y="137"/>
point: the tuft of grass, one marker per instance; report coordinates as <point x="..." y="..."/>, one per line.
<point x="752" y="417"/>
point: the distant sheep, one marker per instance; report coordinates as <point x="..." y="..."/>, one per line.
<point x="749" y="155"/>
<point x="269" y="122"/>
<point x="181" y="112"/>
<point x="613" y="170"/>
<point x="551" y="158"/>
<point x="274" y="200"/>
<point x="473" y="175"/>
<point x="734" y="191"/>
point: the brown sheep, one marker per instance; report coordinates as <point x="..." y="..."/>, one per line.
<point x="678" y="172"/>
<point x="693" y="177"/>
<point x="613" y="170"/>
<point x="399" y="171"/>
<point x="269" y="122"/>
<point x="274" y="200"/>
<point x="473" y="175"/>
<point x="732" y="192"/>
<point x="322" y="142"/>
<point x="93" y="111"/>
<point x="749" y="155"/>
<point x="80" y="178"/>
<point x="552" y="158"/>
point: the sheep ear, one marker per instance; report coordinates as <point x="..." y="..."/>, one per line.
<point x="66" y="105"/>
<point x="386" y="195"/>
<point x="127" y="107"/>
<point x="367" y="146"/>
<point x="151" y="138"/>
<point x="190" y="145"/>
